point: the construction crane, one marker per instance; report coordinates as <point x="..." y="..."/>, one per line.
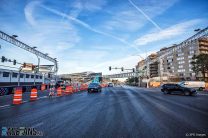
<point x="14" y="41"/>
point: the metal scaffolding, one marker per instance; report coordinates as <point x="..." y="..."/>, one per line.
<point x="26" y="47"/>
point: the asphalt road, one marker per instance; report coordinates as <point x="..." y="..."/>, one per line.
<point x="118" y="112"/>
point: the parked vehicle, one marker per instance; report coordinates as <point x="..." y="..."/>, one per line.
<point x="94" y="87"/>
<point x="178" y="89"/>
<point x="200" y="85"/>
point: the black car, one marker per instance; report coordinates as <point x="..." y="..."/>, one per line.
<point x="94" y="87"/>
<point x="178" y="89"/>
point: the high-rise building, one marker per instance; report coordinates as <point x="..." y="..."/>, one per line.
<point x="175" y="61"/>
<point x="178" y="62"/>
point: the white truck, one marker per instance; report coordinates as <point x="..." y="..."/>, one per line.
<point x="200" y="85"/>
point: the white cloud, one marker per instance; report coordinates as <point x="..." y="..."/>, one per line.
<point x="145" y="15"/>
<point x="79" y="6"/>
<point x="50" y="33"/>
<point x="168" y="33"/>
<point x="92" y="5"/>
<point x="29" y="9"/>
<point x="87" y="26"/>
<point x="129" y="19"/>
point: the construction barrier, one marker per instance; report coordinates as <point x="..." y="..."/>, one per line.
<point x="43" y="87"/>
<point x="154" y="84"/>
<point x="82" y="88"/>
<point x="17" y="99"/>
<point x="85" y="86"/>
<point x="33" y="94"/>
<point x="75" y="89"/>
<point x="59" y="91"/>
<point x="68" y="90"/>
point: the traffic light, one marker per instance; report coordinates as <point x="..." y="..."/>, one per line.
<point x="122" y="69"/>
<point x="3" y="59"/>
<point x="133" y="70"/>
<point x="14" y="62"/>
<point x="110" y="68"/>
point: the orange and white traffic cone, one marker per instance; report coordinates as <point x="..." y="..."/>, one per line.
<point x="70" y="89"/>
<point x="66" y="90"/>
<point x="59" y="90"/>
<point x="17" y="99"/>
<point x="33" y="94"/>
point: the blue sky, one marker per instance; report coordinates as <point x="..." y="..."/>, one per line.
<point x="90" y="35"/>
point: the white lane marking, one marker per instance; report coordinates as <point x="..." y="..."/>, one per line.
<point x="37" y="125"/>
<point x="5" y="105"/>
<point x="43" y="97"/>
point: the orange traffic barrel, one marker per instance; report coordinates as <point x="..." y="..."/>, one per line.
<point x="82" y="87"/>
<point x="74" y="89"/>
<point x="86" y="86"/>
<point x="70" y="89"/>
<point x="66" y="90"/>
<point x="59" y="91"/>
<point x="17" y="99"/>
<point x="33" y="94"/>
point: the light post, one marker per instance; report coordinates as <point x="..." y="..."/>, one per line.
<point x="37" y="70"/>
<point x="20" y="69"/>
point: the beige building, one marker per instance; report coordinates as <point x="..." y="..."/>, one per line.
<point x="178" y="62"/>
<point x="175" y="62"/>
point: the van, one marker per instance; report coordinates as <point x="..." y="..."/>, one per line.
<point x="200" y="85"/>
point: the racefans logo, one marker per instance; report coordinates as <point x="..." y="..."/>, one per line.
<point x="20" y="131"/>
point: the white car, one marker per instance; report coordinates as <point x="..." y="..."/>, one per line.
<point x="200" y="85"/>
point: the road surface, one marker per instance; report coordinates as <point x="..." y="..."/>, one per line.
<point x="117" y="112"/>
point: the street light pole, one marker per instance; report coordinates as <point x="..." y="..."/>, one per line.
<point x="36" y="71"/>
